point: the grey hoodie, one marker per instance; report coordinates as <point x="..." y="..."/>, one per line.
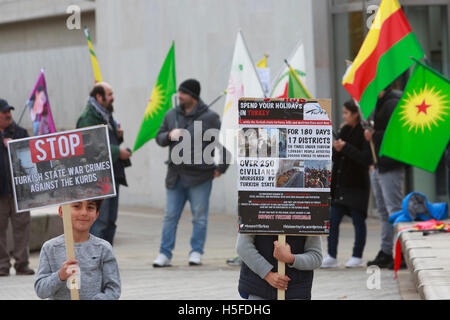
<point x="99" y="276"/>
<point x="191" y="172"/>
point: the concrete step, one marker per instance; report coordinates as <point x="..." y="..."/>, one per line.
<point x="435" y="292"/>
<point x="428" y="260"/>
<point x="431" y="252"/>
<point x="433" y="277"/>
<point x="425" y="243"/>
<point x="433" y="284"/>
<point x="45" y="224"/>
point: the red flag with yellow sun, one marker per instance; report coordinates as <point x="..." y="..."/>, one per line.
<point x="419" y="128"/>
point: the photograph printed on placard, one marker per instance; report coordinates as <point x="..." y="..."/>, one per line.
<point x="290" y="174"/>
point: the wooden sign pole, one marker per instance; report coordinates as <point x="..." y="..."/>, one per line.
<point x="281" y="294"/>
<point x="70" y="248"/>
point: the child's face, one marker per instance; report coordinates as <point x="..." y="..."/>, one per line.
<point x="83" y="214"/>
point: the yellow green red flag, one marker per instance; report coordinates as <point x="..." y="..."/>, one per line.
<point x="384" y="56"/>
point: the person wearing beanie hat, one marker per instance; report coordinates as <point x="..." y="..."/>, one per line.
<point x="191" y="87"/>
<point x="191" y="178"/>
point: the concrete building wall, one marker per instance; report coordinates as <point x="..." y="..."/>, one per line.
<point x="131" y="41"/>
<point x="30" y="45"/>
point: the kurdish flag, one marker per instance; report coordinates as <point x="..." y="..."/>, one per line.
<point x="384" y="56"/>
<point x="160" y="101"/>
<point x="97" y="73"/>
<point x="296" y="87"/>
<point x="419" y="128"/>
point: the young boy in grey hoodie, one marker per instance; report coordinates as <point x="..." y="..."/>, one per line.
<point x="95" y="261"/>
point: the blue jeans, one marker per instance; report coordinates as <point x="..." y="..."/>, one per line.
<point x="388" y="195"/>
<point x="105" y="226"/>
<point x="176" y="198"/>
<point x="337" y="213"/>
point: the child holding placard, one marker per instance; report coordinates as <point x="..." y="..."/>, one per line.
<point x="96" y="266"/>
<point x="260" y="254"/>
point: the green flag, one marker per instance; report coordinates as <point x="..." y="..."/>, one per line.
<point x="419" y="128"/>
<point x="296" y="87"/>
<point x="160" y="101"/>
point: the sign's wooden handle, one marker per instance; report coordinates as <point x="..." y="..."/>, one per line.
<point x="281" y="294"/>
<point x="70" y="248"/>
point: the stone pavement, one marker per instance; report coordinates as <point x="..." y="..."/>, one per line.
<point x="137" y="244"/>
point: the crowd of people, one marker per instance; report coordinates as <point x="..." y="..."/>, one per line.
<point x="94" y="222"/>
<point x="354" y="170"/>
<point x="350" y="183"/>
<point x="317" y="178"/>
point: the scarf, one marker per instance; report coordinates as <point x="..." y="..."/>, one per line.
<point x="106" y="114"/>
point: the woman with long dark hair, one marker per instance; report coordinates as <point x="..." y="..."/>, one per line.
<point x="350" y="186"/>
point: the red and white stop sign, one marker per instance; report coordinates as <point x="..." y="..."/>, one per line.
<point x="56" y="147"/>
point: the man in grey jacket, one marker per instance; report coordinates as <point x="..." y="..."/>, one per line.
<point x="191" y="168"/>
<point x="386" y="177"/>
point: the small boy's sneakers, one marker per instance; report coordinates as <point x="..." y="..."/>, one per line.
<point x="161" y="261"/>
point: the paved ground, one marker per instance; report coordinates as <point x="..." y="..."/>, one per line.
<point x="137" y="243"/>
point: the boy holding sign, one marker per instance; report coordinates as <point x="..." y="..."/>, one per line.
<point x="281" y="217"/>
<point x="96" y="266"/>
<point x="71" y="169"/>
<point x="259" y="279"/>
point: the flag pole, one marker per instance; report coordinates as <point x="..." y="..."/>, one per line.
<point x="429" y="69"/>
<point x="21" y="115"/>
<point x="367" y="125"/>
<point x="218" y="98"/>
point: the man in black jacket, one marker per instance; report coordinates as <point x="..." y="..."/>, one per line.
<point x="386" y="177"/>
<point x="190" y="169"/>
<point x="20" y="222"/>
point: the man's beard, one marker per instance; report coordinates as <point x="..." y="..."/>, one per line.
<point x="109" y="107"/>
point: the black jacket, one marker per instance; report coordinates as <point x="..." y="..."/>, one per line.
<point x="350" y="184"/>
<point x="383" y="111"/>
<point x="14" y="132"/>
<point x="195" y="170"/>
<point x="301" y="280"/>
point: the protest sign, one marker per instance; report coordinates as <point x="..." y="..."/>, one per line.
<point x="284" y="165"/>
<point x="61" y="168"/>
